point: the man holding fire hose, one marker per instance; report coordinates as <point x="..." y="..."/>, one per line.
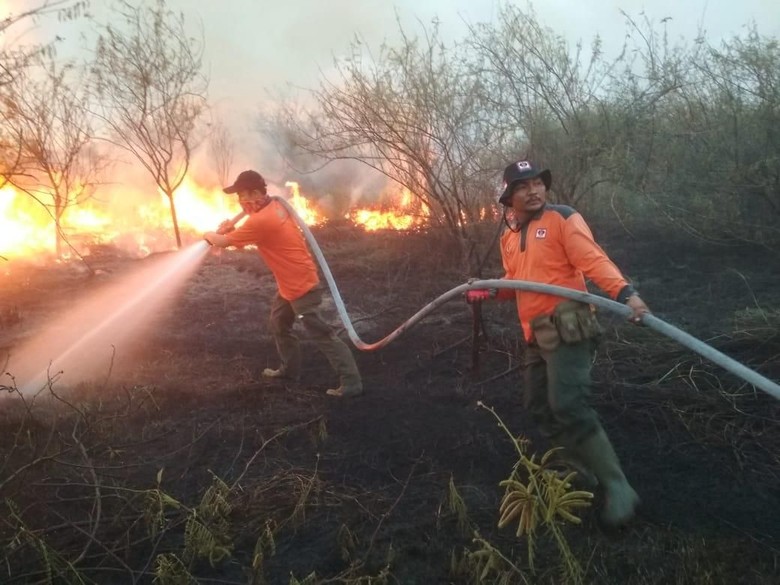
<point x="282" y="246"/>
<point x="552" y="244"/>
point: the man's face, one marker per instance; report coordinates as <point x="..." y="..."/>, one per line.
<point x="528" y="196"/>
<point x="251" y="200"/>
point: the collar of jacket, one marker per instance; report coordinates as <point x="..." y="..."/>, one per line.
<point x="534" y="215"/>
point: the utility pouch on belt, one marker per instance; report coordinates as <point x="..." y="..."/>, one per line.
<point x="571" y="322"/>
<point x="545" y="333"/>
<point x="576" y="322"/>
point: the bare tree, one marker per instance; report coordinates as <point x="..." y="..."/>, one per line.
<point x="699" y="136"/>
<point x="416" y="114"/>
<point x="150" y="91"/>
<point x="553" y="95"/>
<point x="221" y="149"/>
<point x="48" y="113"/>
<point x="14" y="60"/>
<point x="10" y="144"/>
<point x="722" y="142"/>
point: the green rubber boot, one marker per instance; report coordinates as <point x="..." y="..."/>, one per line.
<point x="620" y="499"/>
<point x="585" y="478"/>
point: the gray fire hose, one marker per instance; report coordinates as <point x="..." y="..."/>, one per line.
<point x="650" y="320"/>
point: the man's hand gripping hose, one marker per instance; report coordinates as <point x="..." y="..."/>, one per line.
<point x="625" y="311"/>
<point x="229" y="225"/>
<point x="225" y="227"/>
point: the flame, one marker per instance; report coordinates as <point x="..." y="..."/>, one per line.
<point x="131" y="220"/>
<point x="404" y="214"/>
<point x="141" y="223"/>
<point x="22" y="218"/>
<point x="303" y="207"/>
<point x="197" y="209"/>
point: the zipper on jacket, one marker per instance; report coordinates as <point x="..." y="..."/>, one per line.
<point x="524" y="227"/>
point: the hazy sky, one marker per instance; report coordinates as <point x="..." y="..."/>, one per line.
<point x="266" y="43"/>
<point x="256" y="46"/>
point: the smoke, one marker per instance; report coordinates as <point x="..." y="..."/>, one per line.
<point x="279" y="51"/>
<point x="259" y="52"/>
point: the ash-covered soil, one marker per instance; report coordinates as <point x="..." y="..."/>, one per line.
<point x="182" y="458"/>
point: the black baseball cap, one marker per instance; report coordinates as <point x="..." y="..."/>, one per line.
<point x="520" y="171"/>
<point x="247" y="181"/>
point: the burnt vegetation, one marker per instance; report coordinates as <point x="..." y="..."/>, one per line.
<point x="188" y="467"/>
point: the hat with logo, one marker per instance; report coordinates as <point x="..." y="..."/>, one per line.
<point x="247" y="181"/>
<point x="520" y="171"/>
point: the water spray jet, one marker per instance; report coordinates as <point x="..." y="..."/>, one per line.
<point x="85" y="341"/>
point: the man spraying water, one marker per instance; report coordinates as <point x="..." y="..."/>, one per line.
<point x="282" y="247"/>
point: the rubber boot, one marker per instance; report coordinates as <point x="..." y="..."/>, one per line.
<point x="620" y="499"/>
<point x="585" y="478"/>
<point x="345" y="391"/>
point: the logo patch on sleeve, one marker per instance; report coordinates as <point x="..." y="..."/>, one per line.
<point x="541" y="233"/>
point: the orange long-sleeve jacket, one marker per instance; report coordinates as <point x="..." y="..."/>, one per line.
<point x="282" y="246"/>
<point x="555" y="246"/>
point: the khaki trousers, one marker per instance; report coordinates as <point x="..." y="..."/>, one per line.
<point x="305" y="310"/>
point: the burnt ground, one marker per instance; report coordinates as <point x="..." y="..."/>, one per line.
<point x="189" y="460"/>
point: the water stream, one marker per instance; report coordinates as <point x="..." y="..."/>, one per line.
<point x="87" y="340"/>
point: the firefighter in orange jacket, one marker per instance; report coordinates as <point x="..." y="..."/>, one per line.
<point x="552" y="244"/>
<point x="282" y="246"/>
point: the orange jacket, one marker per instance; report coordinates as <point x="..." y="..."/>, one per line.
<point x="556" y="247"/>
<point x="282" y="246"/>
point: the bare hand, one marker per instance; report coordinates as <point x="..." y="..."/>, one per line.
<point x="638" y="308"/>
<point x="226" y="227"/>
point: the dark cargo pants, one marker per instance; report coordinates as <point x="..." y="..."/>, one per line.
<point x="305" y="310"/>
<point x="557" y="388"/>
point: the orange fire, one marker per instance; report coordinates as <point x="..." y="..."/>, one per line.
<point x="303" y="206"/>
<point x="20" y="228"/>
<point x="133" y="221"/>
<point x="403" y="214"/>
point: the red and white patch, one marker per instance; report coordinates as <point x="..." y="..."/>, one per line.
<point x="541" y="233"/>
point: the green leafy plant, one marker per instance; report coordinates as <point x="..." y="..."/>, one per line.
<point x="536" y="495"/>
<point x="347" y="542"/>
<point x="156" y="503"/>
<point x="56" y="568"/>
<point x="265" y="547"/>
<point x="310" y="579"/>
<point x="457" y="506"/>
<point x="207" y="533"/>
<point x="485" y="564"/>
<point x="170" y="570"/>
